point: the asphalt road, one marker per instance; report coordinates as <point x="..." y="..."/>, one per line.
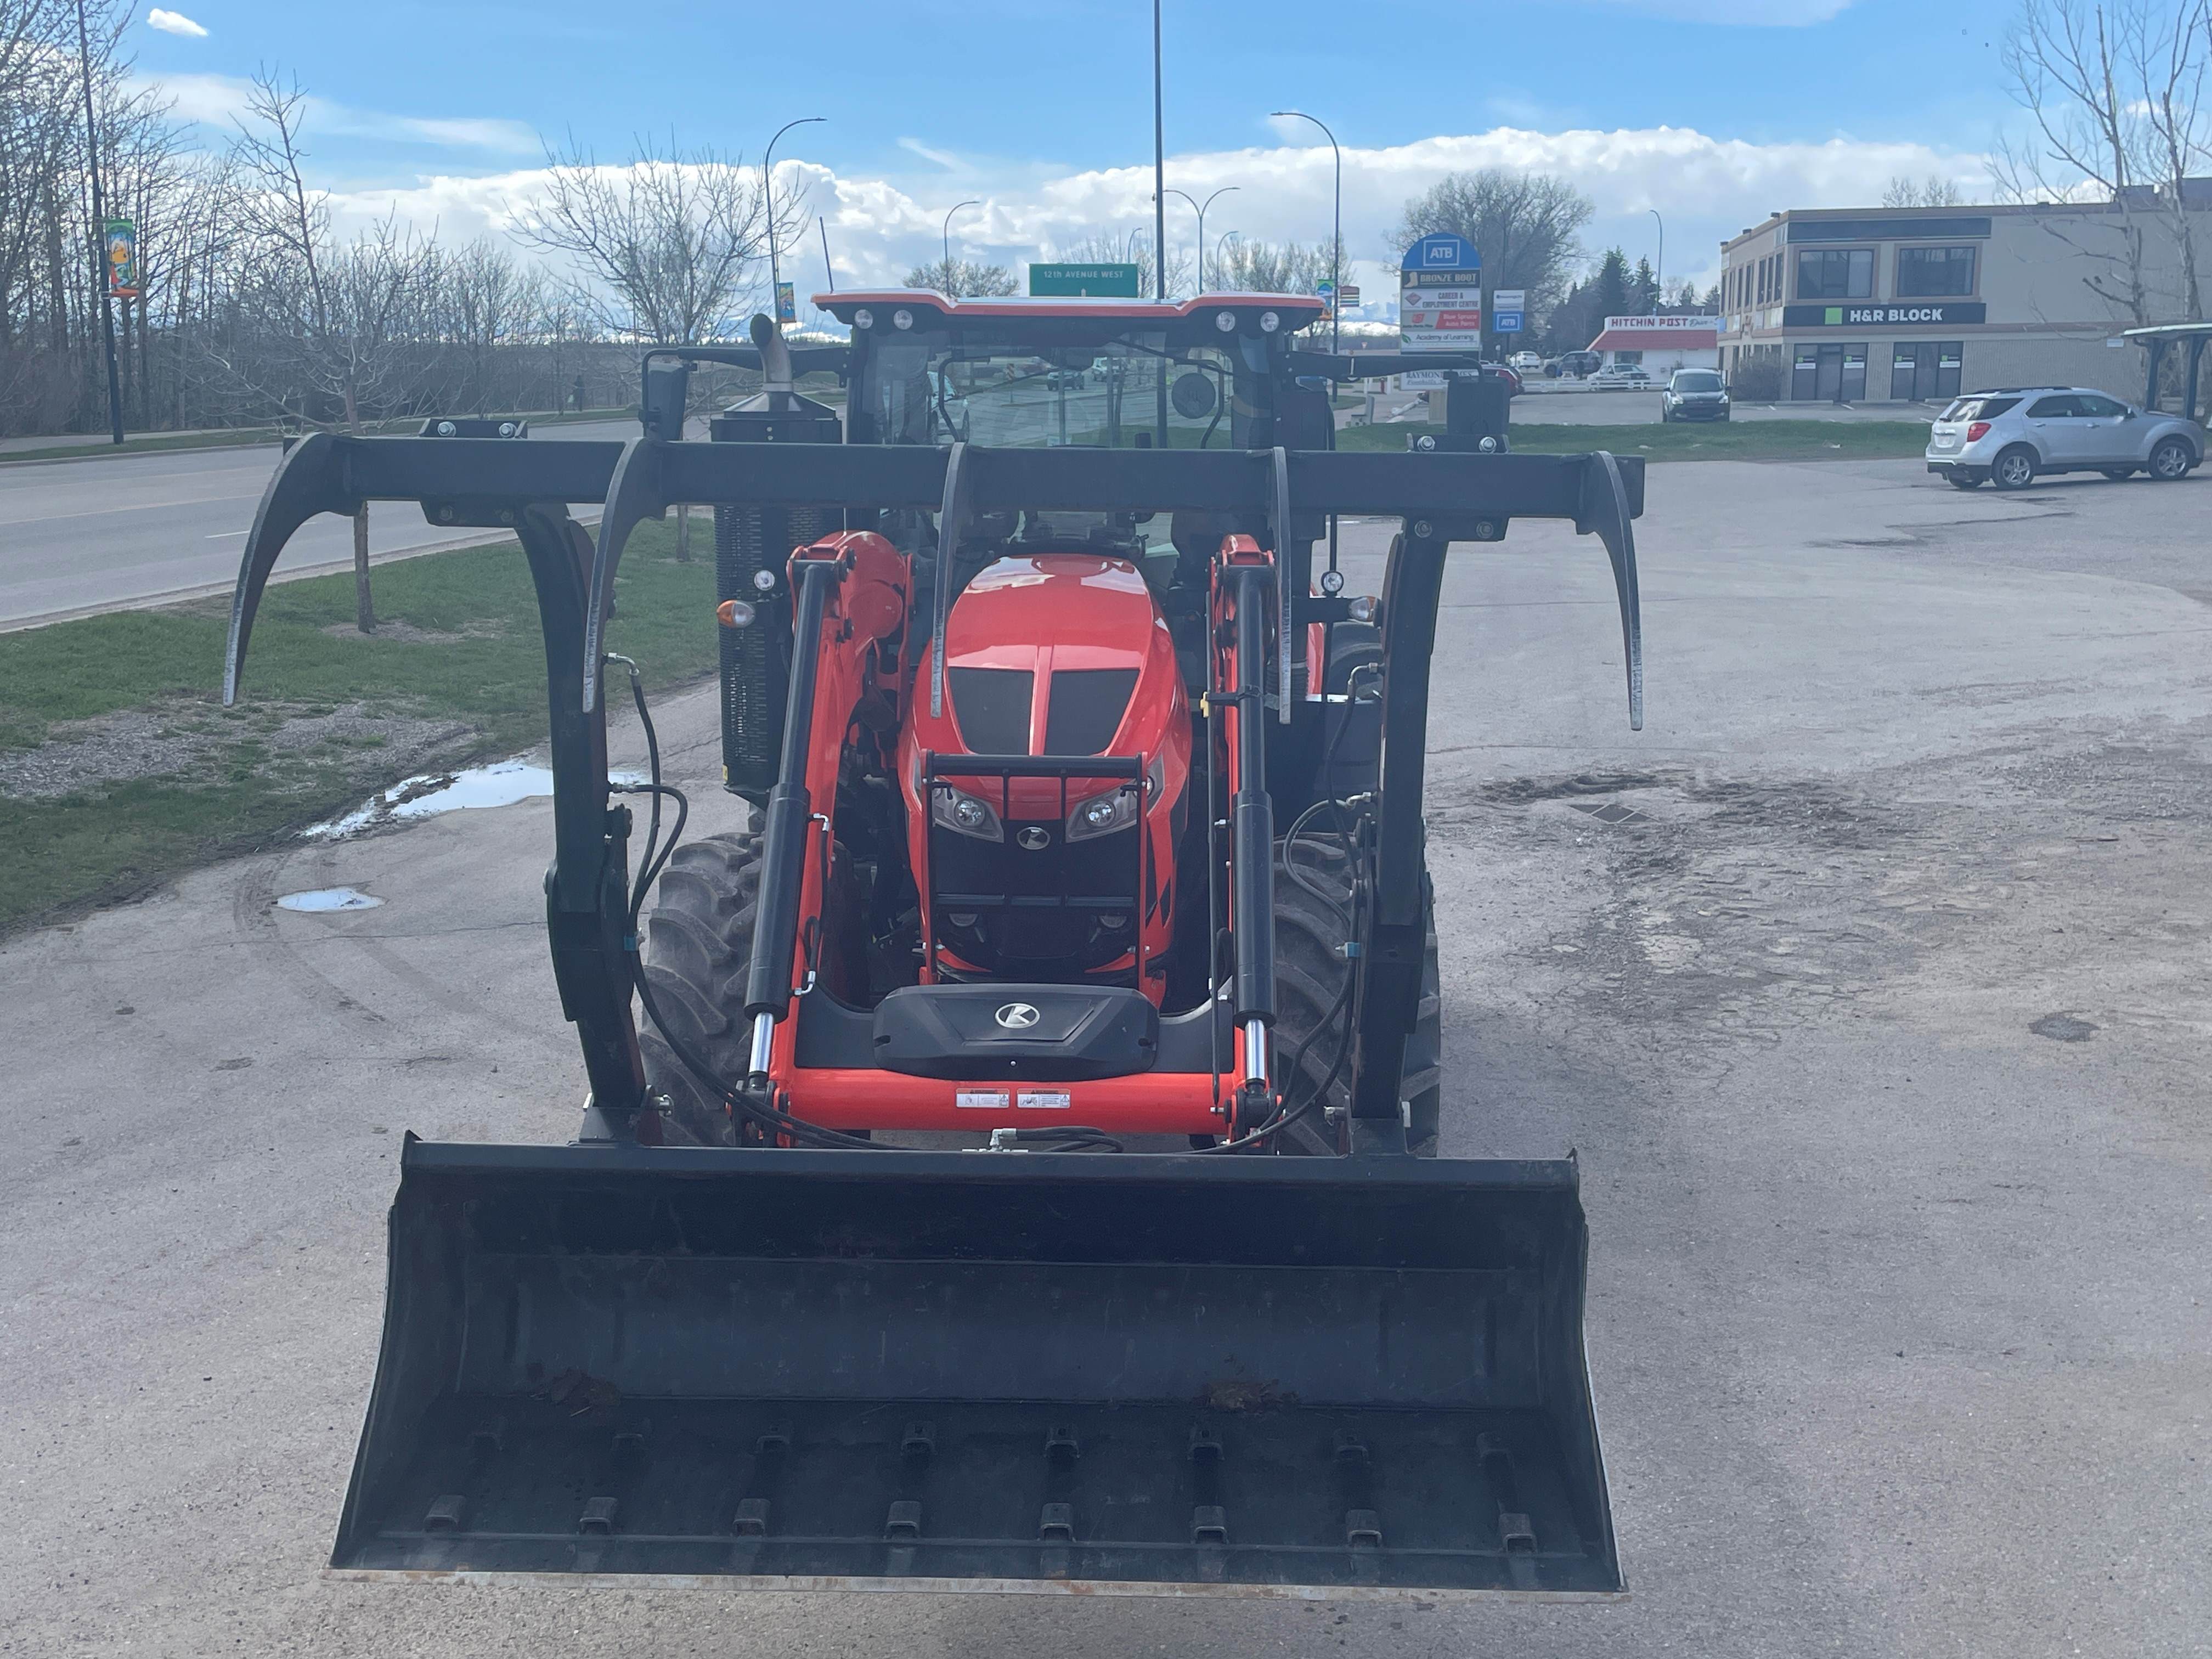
<point x="1878" y="1028"/>
<point x="98" y="534"/>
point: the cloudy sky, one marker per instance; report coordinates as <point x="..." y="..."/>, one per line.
<point x="1713" y="112"/>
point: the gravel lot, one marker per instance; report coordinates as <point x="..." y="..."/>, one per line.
<point x="1878" y="1026"/>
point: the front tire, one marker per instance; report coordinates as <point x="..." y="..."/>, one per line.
<point x="698" y="949"/>
<point x="1310" y="970"/>
<point x="2171" y="461"/>
<point x="2014" y="468"/>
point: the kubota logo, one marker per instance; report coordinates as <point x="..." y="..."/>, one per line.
<point x="1017" y="1016"/>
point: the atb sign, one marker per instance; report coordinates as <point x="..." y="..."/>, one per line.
<point x="1509" y="309"/>
<point x="1440" y="295"/>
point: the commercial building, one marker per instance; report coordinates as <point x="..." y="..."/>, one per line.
<point x="1875" y="304"/>
<point x="1659" y="345"/>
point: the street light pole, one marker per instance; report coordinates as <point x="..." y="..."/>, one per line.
<point x="768" y="195"/>
<point x="99" y="232"/>
<point x="1159" y="172"/>
<point x="1201" y="207"/>
<point x="1336" y="240"/>
<point x="945" y="270"/>
<point x="1660" y="275"/>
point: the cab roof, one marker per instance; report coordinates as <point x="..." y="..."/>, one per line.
<point x="1296" y="309"/>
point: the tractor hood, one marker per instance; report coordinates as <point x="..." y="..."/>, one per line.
<point x="1059" y="653"/>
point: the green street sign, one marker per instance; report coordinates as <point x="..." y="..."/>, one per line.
<point x="1100" y="282"/>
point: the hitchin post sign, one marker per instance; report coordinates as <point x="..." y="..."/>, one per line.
<point x="1440" y="295"/>
<point x="1508" y="310"/>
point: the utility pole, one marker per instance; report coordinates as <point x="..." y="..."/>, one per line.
<point x="1159" y="177"/>
<point x="99" y="232"/>
<point x="1336" y="239"/>
<point x="767" y="197"/>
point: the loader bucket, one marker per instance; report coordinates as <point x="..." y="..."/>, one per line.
<point x="950" y="1370"/>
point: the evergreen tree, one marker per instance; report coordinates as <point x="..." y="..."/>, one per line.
<point x="1643" y="292"/>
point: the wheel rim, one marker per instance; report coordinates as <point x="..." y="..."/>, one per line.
<point x="2014" y="469"/>
<point x="2169" y="461"/>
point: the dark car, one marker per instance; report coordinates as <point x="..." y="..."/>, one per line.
<point x="1694" y="394"/>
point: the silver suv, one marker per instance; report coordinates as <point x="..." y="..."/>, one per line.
<point x="2012" y="435"/>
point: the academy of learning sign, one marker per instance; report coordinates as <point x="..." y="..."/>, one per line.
<point x="1440" y="295"/>
<point x="1113" y="281"/>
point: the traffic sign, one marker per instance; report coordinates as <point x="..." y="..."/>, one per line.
<point x="1112" y="281"/>
<point x="1508" y="306"/>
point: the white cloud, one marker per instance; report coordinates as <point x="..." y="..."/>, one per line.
<point x="221" y="100"/>
<point x="1707" y="188"/>
<point x="174" y="22"/>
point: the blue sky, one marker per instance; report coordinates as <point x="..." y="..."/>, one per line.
<point x="1714" y="111"/>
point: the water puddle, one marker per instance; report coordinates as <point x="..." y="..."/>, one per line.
<point x="501" y="784"/>
<point x="329" y="898"/>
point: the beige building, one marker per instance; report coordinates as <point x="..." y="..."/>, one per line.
<point x="1902" y="304"/>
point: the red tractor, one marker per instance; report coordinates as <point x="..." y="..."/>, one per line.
<point x="1086" y="818"/>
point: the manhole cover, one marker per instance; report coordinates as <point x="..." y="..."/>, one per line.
<point x="2063" y="1028"/>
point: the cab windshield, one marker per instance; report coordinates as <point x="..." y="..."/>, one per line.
<point x="1125" y="392"/>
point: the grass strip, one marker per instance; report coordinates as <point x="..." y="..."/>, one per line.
<point x="1713" y="440"/>
<point x="483" y="667"/>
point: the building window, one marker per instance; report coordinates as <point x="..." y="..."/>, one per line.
<point x="1935" y="272"/>
<point x="1626" y="359"/>
<point x="1835" y="273"/>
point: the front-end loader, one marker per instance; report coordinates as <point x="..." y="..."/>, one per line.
<point x="1024" y="1173"/>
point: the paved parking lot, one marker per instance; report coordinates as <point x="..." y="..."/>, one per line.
<point x="1878" y="1024"/>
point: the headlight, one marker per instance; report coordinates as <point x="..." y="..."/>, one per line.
<point x="902" y="318"/>
<point x="1269" y="322"/>
<point x="1225" y="321"/>
<point x="1118" y="808"/>
<point x="963" y="814"/>
<point x="864" y="317"/>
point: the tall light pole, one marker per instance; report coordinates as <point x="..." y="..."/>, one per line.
<point x="945" y="270"/>
<point x="1201" y="207"/>
<point x="100" y="231"/>
<point x="768" y="195"/>
<point x="1336" y="239"/>
<point x="1159" y="175"/>
<point x="1660" y="275"/>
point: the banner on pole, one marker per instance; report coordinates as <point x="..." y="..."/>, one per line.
<point x="121" y="237"/>
<point x="787" y="303"/>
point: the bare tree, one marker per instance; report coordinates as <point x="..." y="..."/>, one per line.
<point x="964" y="279"/>
<point x="1933" y="190"/>
<point x="673" y="239"/>
<point x="1253" y="267"/>
<point x="1527" y="225"/>
<point x="2112" y="89"/>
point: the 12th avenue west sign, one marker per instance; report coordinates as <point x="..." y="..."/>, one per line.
<point x="1870" y="316"/>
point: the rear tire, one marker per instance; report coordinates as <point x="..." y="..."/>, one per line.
<point x="698" y="948"/>
<point x="1310" y="969"/>
<point x="2015" y="469"/>
<point x="2171" y="461"/>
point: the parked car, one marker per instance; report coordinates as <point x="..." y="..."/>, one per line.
<point x="1694" y="394"/>
<point x="1525" y="360"/>
<point x="1574" y="364"/>
<point x="1621" y="377"/>
<point x="2011" y="435"/>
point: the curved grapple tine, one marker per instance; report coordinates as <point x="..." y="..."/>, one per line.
<point x="310" y="479"/>
<point x="1604" y="509"/>
<point x="637" y="493"/>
